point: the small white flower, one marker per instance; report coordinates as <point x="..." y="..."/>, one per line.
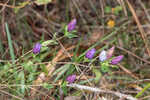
<point x="103" y="56"/>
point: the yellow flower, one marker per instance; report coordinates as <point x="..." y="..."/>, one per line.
<point x="111" y="23"/>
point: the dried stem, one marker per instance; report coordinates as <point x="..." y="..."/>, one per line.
<point x="97" y="90"/>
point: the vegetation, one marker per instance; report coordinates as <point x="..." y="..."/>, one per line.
<point x="74" y="50"/>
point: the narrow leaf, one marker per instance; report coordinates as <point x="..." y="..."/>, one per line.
<point x="11" y="49"/>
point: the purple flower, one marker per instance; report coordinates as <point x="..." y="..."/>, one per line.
<point x="116" y="60"/>
<point x="90" y="53"/>
<point x="71" y="78"/>
<point x="103" y="56"/>
<point x="71" y="25"/>
<point x="110" y="52"/>
<point x="37" y="48"/>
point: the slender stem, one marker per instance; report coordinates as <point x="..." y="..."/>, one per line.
<point x="143" y="90"/>
<point x="98" y="90"/>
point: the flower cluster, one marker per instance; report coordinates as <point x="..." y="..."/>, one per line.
<point x="71" y="25"/>
<point x="37" y="48"/>
<point x="111" y="23"/>
<point x="104" y="55"/>
<point x="90" y="53"/>
<point x="116" y="60"/>
<point x="71" y="78"/>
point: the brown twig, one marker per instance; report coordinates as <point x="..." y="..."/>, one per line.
<point x="127" y="71"/>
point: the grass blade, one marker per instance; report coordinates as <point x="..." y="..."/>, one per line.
<point x="1" y="48"/>
<point x="143" y="90"/>
<point x="11" y="49"/>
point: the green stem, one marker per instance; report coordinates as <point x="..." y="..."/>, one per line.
<point x="143" y="90"/>
<point x="11" y="49"/>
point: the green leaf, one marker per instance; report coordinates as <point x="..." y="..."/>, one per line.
<point x="65" y="30"/>
<point x="66" y="67"/>
<point x="1" y="48"/>
<point x="64" y="87"/>
<point x="6" y="67"/>
<point x="114" y="66"/>
<point x="28" y="66"/>
<point x="11" y="49"/>
<point x="21" y="5"/>
<point x="117" y="9"/>
<point x="59" y="70"/>
<point x="49" y="42"/>
<point x="105" y="67"/>
<point x="21" y="77"/>
<point x="107" y="9"/>
<point x="42" y="2"/>
<point x="70" y="35"/>
<point x="48" y="86"/>
<point x="31" y="77"/>
<point x="98" y="75"/>
<point x="143" y="90"/>
<point x="44" y="48"/>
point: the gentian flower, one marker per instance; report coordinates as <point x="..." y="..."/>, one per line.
<point x="71" y="25"/>
<point x="37" y="48"/>
<point x="103" y="56"/>
<point x="110" y="52"/>
<point x="90" y="53"/>
<point x="71" y="78"/>
<point x="116" y="60"/>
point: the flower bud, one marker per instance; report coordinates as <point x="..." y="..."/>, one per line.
<point x="116" y="60"/>
<point x="71" y="78"/>
<point x="103" y="56"/>
<point x="71" y="25"/>
<point x="90" y="53"/>
<point x="37" y="48"/>
<point x="110" y="52"/>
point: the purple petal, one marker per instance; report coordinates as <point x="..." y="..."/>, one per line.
<point x="117" y="59"/>
<point x="71" y="25"/>
<point x="37" y="48"/>
<point x="110" y="52"/>
<point x="71" y="78"/>
<point x="90" y="53"/>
